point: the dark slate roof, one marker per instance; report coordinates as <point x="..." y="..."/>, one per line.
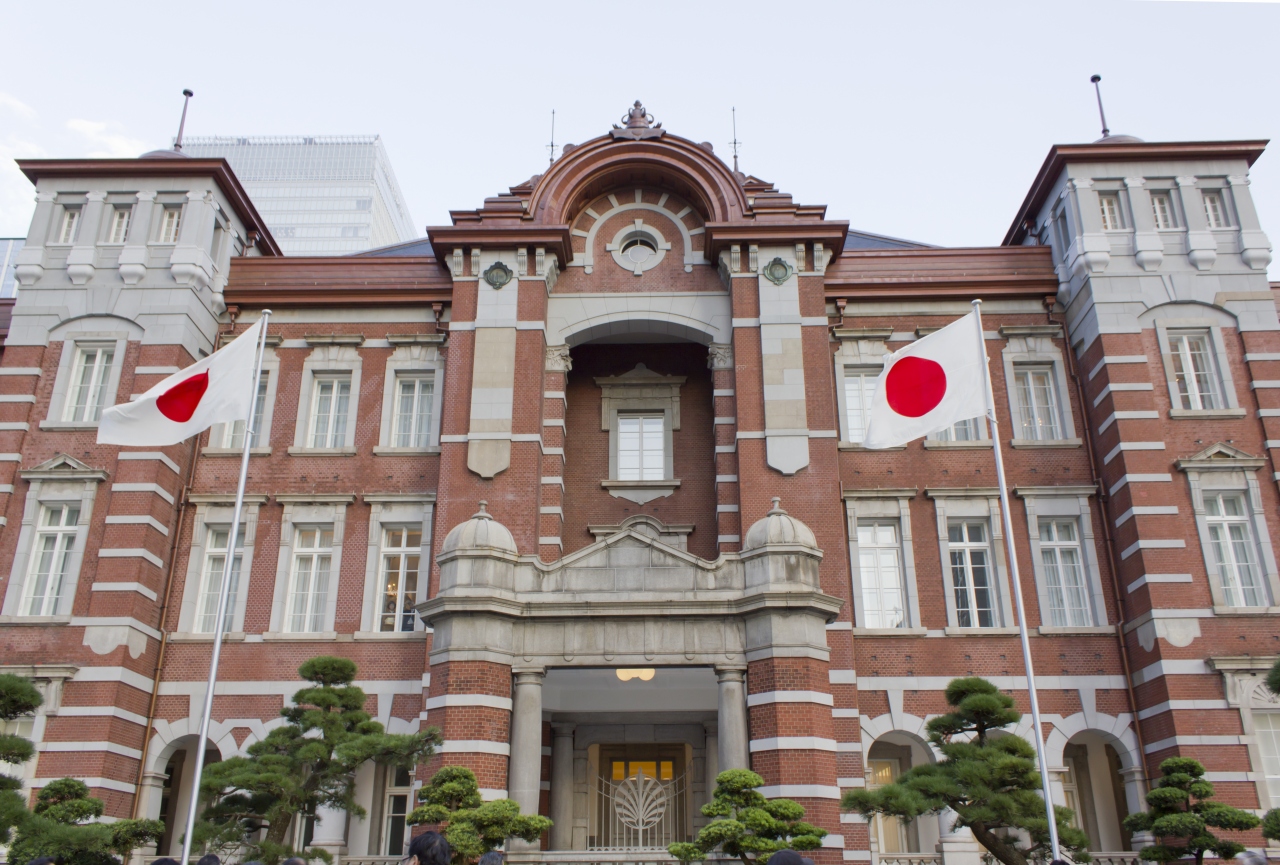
<point x="420" y="246"/>
<point x="867" y="240"/>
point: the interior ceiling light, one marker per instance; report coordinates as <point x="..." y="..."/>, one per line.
<point x="643" y="675"/>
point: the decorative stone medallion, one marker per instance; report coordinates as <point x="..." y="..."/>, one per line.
<point x="777" y="271"/>
<point x="498" y="275"/>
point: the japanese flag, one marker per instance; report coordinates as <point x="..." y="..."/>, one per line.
<point x="218" y="389"/>
<point x="930" y="385"/>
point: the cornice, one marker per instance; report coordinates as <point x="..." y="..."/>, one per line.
<point x="555" y="238"/>
<point x="830" y="233"/>
<point x="286" y="282"/>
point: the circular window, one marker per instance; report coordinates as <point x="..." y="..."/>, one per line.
<point x="638" y="250"/>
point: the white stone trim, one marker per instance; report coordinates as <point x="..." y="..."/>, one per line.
<point x="422" y="359"/>
<point x="487" y="700"/>
<point x="792" y="743"/>
<point x="1145" y="510"/>
<point x="303" y="513"/>
<point x="1038" y="351"/>
<point x="125" y="587"/>
<point x="1139" y="479"/>
<point x="1074" y="505"/>
<point x="144" y="488"/>
<point x="91" y="330"/>
<point x="1221" y="359"/>
<point x="326" y="359"/>
<point x="1229" y="477"/>
<point x="897" y="510"/>
<point x="383" y="513"/>
<point x="474" y="746"/>
<point x="218" y="514"/>
<point x="767" y="697"/>
<point x="986" y="508"/>
<point x="130" y="553"/>
<point x="800" y="791"/>
<point x="150" y="455"/>
<point x="1127" y="415"/>
<point x="138" y="520"/>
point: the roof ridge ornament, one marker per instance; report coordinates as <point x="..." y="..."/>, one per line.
<point x="639" y="125"/>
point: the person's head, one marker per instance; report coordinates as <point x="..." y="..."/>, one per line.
<point x="786" y="857"/>
<point x="292" y="860"/>
<point x="430" y="848"/>
<point x="493" y="857"/>
<point x="49" y="860"/>
<point x="209" y="859"/>
<point x="805" y="859"/>
<point x="163" y="860"/>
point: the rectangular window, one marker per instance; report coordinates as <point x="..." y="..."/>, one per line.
<point x="399" y="793"/>
<point x="1215" y="210"/>
<point x="963" y="431"/>
<point x="1110" y="206"/>
<point x="1068" y="600"/>
<point x="1060" y="229"/>
<point x="170" y="224"/>
<point x="233" y="433"/>
<point x="215" y="564"/>
<point x="859" y="385"/>
<point x="88" y="392"/>
<point x="330" y="398"/>
<point x="1195" y="371"/>
<point x="1162" y="210"/>
<point x="414" y="395"/>
<point x="883" y="601"/>
<point x="1267" y="727"/>
<point x="401" y="556"/>
<point x="309" y="592"/>
<point x="119" y="231"/>
<point x="70" y="225"/>
<point x="641" y="448"/>
<point x="1037" y="403"/>
<point x="55" y="541"/>
<point x="1233" y="550"/>
<point x="971" y="574"/>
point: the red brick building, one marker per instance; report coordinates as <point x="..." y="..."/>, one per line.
<point x="526" y="473"/>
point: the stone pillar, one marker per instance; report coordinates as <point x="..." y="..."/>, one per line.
<point x="957" y="845"/>
<point x="80" y="260"/>
<point x="562" y="786"/>
<point x="524" y="776"/>
<point x="133" y="258"/>
<point x="732" y="727"/>
<point x="713" y="757"/>
<point x="330" y="831"/>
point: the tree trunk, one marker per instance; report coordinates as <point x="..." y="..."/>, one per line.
<point x="997" y="846"/>
<point x="277" y="831"/>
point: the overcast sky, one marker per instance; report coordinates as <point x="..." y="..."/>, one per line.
<point x="924" y="120"/>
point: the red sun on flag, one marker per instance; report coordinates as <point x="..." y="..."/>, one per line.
<point x="179" y="402"/>
<point x="915" y="386"/>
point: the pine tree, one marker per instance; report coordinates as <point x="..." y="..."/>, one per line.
<point x="59" y="826"/>
<point x="990" y="781"/>
<point x="1182" y="812"/>
<point x="306" y="763"/>
<point x="18" y="699"/>
<point x="747" y="824"/>
<point x="472" y="826"/>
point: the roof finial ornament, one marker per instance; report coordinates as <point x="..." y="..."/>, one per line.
<point x="735" y="142"/>
<point x="177" y="143"/>
<point x="639" y="124"/>
<point x="551" y="148"/>
<point x="1106" y="133"/>
<point x="483" y="513"/>
<point x="777" y="506"/>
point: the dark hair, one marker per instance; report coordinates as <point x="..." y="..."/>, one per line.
<point x="166" y="860"/>
<point x="292" y="860"/>
<point x="209" y="859"/>
<point x="786" y="857"/>
<point x="430" y="848"/>
<point x="49" y="860"/>
<point x="493" y="857"/>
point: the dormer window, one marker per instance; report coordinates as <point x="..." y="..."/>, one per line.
<point x="119" y="231"/>
<point x="170" y="224"/>
<point x="70" y="225"/>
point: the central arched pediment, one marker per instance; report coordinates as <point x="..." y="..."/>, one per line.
<point x="669" y="163"/>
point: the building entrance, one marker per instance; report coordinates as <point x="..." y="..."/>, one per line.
<point x="641" y="797"/>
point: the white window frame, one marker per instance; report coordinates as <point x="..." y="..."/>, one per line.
<point x="863" y="350"/>
<point x="60" y="480"/>
<point x="1223" y="221"/>
<point x="1036" y="350"/>
<point x="317" y="547"/>
<point x="72" y="340"/>
<point x="215" y="511"/>
<point x="866" y="376"/>
<point x="884" y="506"/>
<point x="103" y="360"/>
<point x="1216" y="518"/>
<point x="305" y="510"/>
<point x="1066" y="503"/>
<point x="391" y="510"/>
<point x="1164" y="218"/>
<point x="414" y="355"/>
<point x="964" y="504"/>
<point x="1232" y="472"/>
<point x="168" y="234"/>
<point x="1221" y="361"/>
<point x="328" y="359"/>
<point x="220" y="434"/>
<point x="57" y="522"/>
<point x="118" y="214"/>
<point x="70" y="219"/>
<point x="1269" y="770"/>
<point x="1116" y="219"/>
<point x="641" y="391"/>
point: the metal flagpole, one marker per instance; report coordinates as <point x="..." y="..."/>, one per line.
<point x="1017" y="588"/>
<point x="224" y="593"/>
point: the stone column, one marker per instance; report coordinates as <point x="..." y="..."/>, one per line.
<point x="712" y="760"/>
<point x="562" y="786"/>
<point x="133" y="258"/>
<point x="80" y="265"/>
<point x="957" y="845"/>
<point x="330" y="831"/>
<point x="524" y="775"/>
<point x="732" y="727"/>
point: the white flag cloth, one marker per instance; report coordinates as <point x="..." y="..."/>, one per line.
<point x="217" y="389"/>
<point x="928" y="386"/>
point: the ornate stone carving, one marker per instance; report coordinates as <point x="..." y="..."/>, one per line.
<point x="639" y="125"/>
<point x="735" y="258"/>
<point x="558" y="359"/>
<point x="498" y="275"/>
<point x="719" y="356"/>
<point x="778" y="271"/>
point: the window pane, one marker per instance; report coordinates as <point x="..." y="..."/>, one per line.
<point x="859" y="385"/>
<point x="1195" y="371"/>
<point x="879" y="571"/>
<point x="1234" y="554"/>
<point x="1037" y="403"/>
<point x="50" y="560"/>
<point x="1267" y="727"/>
<point x="641" y="448"/>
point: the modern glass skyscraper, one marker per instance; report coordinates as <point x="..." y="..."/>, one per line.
<point x="319" y="195"/>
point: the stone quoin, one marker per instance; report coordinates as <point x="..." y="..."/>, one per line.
<point x="578" y="480"/>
